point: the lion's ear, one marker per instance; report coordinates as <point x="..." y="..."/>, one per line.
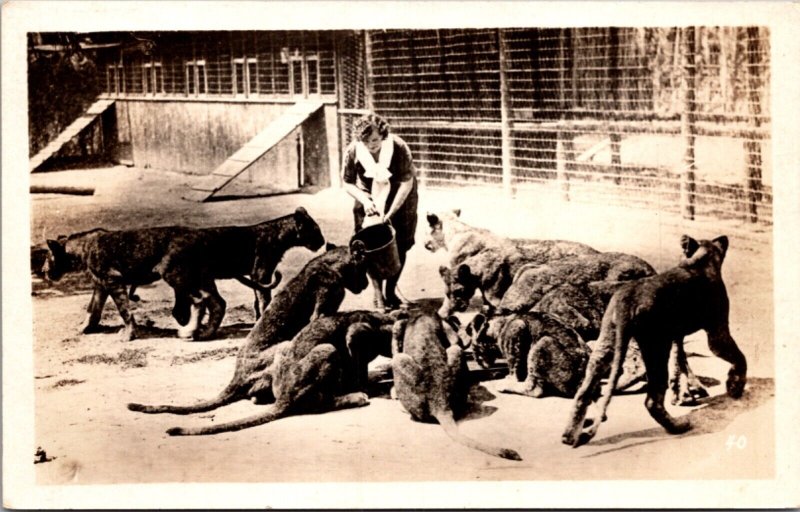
<point x="477" y="322"/>
<point x="55" y="246"/>
<point x="433" y="219"/>
<point x="358" y="251"/>
<point x="722" y="243"/>
<point x="689" y="245"/>
<point x="464" y="272"/>
<point x="457" y="212"/>
<point x="330" y="246"/>
<point x="444" y="271"/>
<point x="300" y="214"/>
<point x="454" y="322"/>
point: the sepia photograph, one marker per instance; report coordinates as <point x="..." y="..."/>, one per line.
<point x="354" y="254"/>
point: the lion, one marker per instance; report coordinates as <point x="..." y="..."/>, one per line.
<point x="493" y="260"/>
<point x="655" y="311"/>
<point x="429" y="377"/>
<point x="188" y="259"/>
<point x="323" y="368"/>
<point x="544" y="356"/>
<point x="575" y="289"/>
<point x="318" y="289"/>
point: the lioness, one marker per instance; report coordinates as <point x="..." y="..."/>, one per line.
<point x="656" y="310"/>
<point x="323" y="368"/>
<point x="188" y="259"/>
<point x="492" y="259"/>
<point x="318" y="289"/>
<point x="531" y="282"/>
<point x="429" y="371"/>
<point x="573" y="288"/>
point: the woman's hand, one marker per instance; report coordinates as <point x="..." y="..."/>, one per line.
<point x="370" y="209"/>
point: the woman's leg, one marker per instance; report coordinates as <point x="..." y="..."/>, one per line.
<point x="392" y="300"/>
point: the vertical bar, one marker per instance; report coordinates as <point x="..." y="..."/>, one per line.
<point x="616" y="156"/>
<point x="688" y="125"/>
<point x="368" y="93"/>
<point x="301" y="168"/>
<point x="752" y="146"/>
<point x="574" y="67"/>
<point x="613" y="67"/>
<point x="564" y="155"/>
<point x="505" y="118"/>
<point x="562" y="69"/>
<point x="614" y="86"/>
<point x="338" y="61"/>
<point x="304" y="64"/>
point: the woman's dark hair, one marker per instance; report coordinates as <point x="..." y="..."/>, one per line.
<point x="364" y="127"/>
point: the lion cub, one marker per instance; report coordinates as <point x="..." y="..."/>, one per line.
<point x="429" y="372"/>
<point x="656" y="310"/>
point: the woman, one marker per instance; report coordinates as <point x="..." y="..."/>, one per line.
<point x="378" y="172"/>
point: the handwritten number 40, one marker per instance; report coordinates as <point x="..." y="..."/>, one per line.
<point x="738" y="442"/>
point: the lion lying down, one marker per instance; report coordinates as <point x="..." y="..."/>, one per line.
<point x="323" y="368"/>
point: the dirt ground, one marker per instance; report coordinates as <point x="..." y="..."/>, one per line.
<point x="83" y="382"/>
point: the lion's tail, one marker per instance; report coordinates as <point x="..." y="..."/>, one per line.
<point x="447" y="422"/>
<point x="261" y="287"/>
<point x="275" y="412"/>
<point x="622" y="339"/>
<point x="228" y="395"/>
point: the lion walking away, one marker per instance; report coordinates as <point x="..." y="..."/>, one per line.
<point x="656" y="310"/>
<point x="429" y="377"/>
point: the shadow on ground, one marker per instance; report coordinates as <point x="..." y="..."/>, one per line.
<point x="714" y="414"/>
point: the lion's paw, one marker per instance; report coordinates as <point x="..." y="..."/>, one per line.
<point x="186" y="333"/>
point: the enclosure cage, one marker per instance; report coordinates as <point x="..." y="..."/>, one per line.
<point x="670" y="119"/>
<point x="675" y="119"/>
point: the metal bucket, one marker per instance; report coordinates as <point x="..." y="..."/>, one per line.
<point x="383" y="260"/>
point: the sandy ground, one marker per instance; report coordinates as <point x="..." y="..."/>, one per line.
<point x="83" y="382"/>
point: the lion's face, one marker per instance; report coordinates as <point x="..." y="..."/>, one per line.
<point x="435" y="238"/>
<point x="484" y="345"/>
<point x="308" y="232"/>
<point x="459" y="286"/>
<point x="57" y="261"/>
<point x="706" y="254"/>
<point x="355" y="273"/>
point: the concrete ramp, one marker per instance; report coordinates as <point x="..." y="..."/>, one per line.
<point x="254" y="149"/>
<point x="77" y="126"/>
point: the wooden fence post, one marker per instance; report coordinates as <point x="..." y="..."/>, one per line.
<point x="616" y="155"/>
<point x="565" y="155"/>
<point x="688" y="125"/>
<point x="616" y="104"/>
<point x="368" y="92"/>
<point x="752" y="147"/>
<point x="505" y="117"/>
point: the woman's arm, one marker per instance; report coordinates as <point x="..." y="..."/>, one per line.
<point x="402" y="194"/>
<point x="362" y="197"/>
<point x="405" y="174"/>
<point x="349" y="183"/>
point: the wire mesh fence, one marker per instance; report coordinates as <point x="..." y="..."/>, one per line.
<point x="670" y="118"/>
